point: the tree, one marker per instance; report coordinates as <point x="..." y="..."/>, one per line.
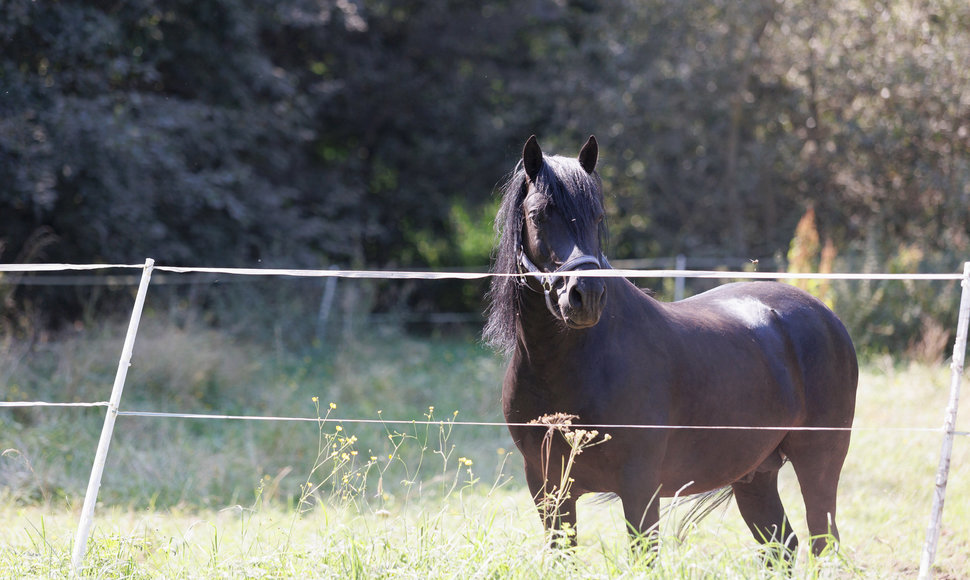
<point x="371" y="133"/>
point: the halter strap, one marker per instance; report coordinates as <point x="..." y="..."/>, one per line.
<point x="549" y="280"/>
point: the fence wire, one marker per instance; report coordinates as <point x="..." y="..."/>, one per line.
<point x="459" y="275"/>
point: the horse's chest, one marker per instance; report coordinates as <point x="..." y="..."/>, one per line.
<point x="595" y="394"/>
<point x="590" y="458"/>
<point x="526" y="401"/>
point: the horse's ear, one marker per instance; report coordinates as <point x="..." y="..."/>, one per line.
<point x="588" y="154"/>
<point x="532" y="158"/>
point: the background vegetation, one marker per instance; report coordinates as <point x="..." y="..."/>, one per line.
<point x="371" y="133"/>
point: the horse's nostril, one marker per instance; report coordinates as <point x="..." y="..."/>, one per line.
<point x="583" y="295"/>
<point x="575" y="297"/>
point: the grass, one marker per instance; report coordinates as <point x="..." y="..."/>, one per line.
<point x="253" y="499"/>
<point x="474" y="534"/>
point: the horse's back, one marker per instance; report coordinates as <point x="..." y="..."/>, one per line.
<point x="815" y="340"/>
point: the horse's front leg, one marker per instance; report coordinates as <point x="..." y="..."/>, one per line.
<point x="556" y="506"/>
<point x="641" y="508"/>
<point x="642" y="518"/>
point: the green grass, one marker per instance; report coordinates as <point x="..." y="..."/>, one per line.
<point x="199" y="499"/>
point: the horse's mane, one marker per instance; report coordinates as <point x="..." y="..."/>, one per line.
<point x="567" y="186"/>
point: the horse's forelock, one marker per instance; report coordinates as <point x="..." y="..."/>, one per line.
<point x="575" y="192"/>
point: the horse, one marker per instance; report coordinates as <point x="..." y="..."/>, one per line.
<point x="768" y="361"/>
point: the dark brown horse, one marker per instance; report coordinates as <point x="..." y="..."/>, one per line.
<point x="761" y="354"/>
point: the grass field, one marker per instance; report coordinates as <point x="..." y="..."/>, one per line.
<point x="200" y="499"/>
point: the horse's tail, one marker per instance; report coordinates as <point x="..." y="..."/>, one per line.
<point x="700" y="505"/>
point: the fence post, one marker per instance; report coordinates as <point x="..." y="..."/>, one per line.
<point x="680" y="263"/>
<point x="949" y="426"/>
<point x="97" y="470"/>
<point x="326" y="302"/>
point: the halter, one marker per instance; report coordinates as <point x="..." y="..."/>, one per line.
<point x="549" y="280"/>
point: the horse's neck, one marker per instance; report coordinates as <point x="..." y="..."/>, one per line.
<point x="545" y="344"/>
<point x="629" y="311"/>
<point x="542" y="340"/>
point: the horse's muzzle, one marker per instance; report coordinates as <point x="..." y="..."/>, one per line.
<point x="582" y="301"/>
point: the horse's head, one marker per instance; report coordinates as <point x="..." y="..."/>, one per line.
<point x="562" y="217"/>
<point x="550" y="222"/>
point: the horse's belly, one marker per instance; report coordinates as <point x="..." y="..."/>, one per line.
<point x="710" y="459"/>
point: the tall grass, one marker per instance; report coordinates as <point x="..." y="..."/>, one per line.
<point x="326" y="498"/>
<point x="385" y="375"/>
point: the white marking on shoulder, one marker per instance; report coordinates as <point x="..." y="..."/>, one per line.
<point x="751" y="311"/>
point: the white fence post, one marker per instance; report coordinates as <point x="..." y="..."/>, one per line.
<point x="949" y="426"/>
<point x="97" y="470"/>
<point x="326" y="302"/>
<point x="679" y="264"/>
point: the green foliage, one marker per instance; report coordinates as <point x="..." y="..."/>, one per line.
<point x="907" y="319"/>
<point x="228" y="132"/>
<point x="904" y="319"/>
<point x="469" y="241"/>
<point x="371" y="134"/>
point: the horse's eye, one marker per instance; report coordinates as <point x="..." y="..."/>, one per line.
<point x="536" y="216"/>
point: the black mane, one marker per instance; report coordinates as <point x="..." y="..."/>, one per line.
<point x="570" y="188"/>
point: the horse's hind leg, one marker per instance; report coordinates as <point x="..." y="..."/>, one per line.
<point x="817" y="458"/>
<point x="760" y="505"/>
